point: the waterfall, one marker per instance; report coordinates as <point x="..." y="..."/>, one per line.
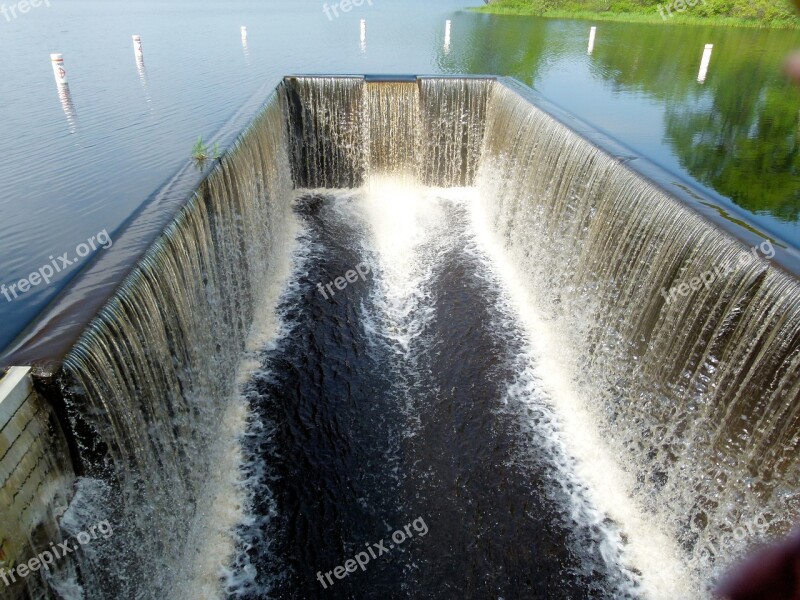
<point x="392" y="133"/>
<point x="453" y="120"/>
<point x="345" y="131"/>
<point x="325" y="124"/>
<point x="672" y="348"/>
<point x="150" y="380"/>
<point x="698" y="393"/>
<point x="695" y="394"/>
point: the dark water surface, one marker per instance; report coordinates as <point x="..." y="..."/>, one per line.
<point x="367" y="420"/>
<point x="79" y="163"/>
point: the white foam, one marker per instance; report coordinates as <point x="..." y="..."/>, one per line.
<point x="650" y="548"/>
<point x="224" y="504"/>
<point x="407" y="229"/>
<point x="401" y="228"/>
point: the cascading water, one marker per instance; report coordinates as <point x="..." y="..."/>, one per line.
<point x="453" y="118"/>
<point x="326" y="146"/>
<point x="392" y="130"/>
<point x="698" y="395"/>
<point x="154" y="374"/>
<point x="513" y="368"/>
<point x="344" y="131"/>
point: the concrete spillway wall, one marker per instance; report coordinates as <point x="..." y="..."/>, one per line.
<point x="36" y="479"/>
<point x="179" y="289"/>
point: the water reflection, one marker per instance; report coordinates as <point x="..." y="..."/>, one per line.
<point x="701" y="76"/>
<point x="363" y="35"/>
<point x="737" y="133"/>
<point x="245" y="48"/>
<point x="447" y="37"/>
<point x="141" y="70"/>
<point x="65" y="98"/>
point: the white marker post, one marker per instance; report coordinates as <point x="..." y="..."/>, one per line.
<point x="57" y="60"/>
<point x="701" y="76"/>
<point x="447" y="35"/>
<point x="244" y="33"/>
<point x="592" y="33"/>
<point x="363" y="31"/>
<point x="137" y="47"/>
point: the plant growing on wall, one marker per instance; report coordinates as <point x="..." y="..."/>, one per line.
<point x="201" y="152"/>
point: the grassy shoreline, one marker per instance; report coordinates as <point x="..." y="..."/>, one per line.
<point x="515" y="7"/>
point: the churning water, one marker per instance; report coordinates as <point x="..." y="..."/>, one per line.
<point x="430" y="302"/>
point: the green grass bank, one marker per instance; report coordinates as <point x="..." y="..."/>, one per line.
<point x="734" y="13"/>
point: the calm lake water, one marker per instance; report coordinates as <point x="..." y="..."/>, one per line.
<point x="79" y="164"/>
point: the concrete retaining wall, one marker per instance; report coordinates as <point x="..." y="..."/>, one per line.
<point x="36" y="479"/>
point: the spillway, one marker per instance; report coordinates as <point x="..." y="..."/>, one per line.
<point x="408" y="301"/>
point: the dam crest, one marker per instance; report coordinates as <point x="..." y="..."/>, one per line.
<point x="656" y="343"/>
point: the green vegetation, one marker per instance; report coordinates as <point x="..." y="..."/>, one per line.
<point x="200" y="152"/>
<point x="738" y="13"/>
<point x="737" y="132"/>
